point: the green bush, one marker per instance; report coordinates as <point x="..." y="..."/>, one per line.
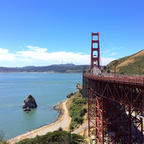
<point x="2" y="142"/>
<point x="77" y="111"/>
<point x="56" y="137"/>
<point x="1" y="139"/>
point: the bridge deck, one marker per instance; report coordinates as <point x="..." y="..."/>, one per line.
<point x="117" y="78"/>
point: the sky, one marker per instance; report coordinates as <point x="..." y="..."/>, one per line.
<point x="45" y="32"/>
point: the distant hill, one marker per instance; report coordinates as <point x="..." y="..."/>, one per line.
<point x="61" y="68"/>
<point x="129" y="64"/>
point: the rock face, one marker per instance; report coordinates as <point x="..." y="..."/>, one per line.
<point x="70" y="95"/>
<point x="29" y="103"/>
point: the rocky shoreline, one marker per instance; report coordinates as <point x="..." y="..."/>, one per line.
<point x="59" y="110"/>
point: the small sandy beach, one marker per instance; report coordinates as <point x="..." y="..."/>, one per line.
<point x="63" y="121"/>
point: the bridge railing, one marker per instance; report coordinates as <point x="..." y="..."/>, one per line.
<point x="139" y="79"/>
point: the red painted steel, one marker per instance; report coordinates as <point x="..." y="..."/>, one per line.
<point x="95" y="51"/>
<point x="115" y="106"/>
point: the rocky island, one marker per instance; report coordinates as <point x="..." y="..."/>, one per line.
<point x="29" y="103"/>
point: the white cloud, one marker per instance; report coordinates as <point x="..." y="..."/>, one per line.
<point x="113" y="53"/>
<point x="40" y="56"/>
<point x="35" y="48"/>
<point x="3" y="51"/>
<point x="105" y="60"/>
<point x="37" y="53"/>
<point x="5" y="55"/>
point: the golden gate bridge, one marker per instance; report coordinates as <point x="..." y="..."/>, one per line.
<point x="115" y="103"/>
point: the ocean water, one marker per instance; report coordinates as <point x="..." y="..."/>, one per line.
<point x="47" y="89"/>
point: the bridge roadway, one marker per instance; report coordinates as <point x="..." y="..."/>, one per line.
<point x="117" y="78"/>
<point x="115" y="107"/>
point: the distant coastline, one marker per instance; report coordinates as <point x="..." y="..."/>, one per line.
<point x="27" y="72"/>
<point x="61" y="68"/>
<point x="38" y="72"/>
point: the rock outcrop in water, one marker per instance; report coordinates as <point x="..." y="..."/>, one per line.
<point x="29" y="103"/>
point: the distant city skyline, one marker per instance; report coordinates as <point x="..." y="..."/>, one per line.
<point x="45" y="32"/>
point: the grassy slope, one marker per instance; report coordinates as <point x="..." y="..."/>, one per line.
<point x="78" y="110"/>
<point x="128" y="65"/>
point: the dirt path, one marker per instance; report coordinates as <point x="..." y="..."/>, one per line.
<point x="81" y="128"/>
<point x="62" y="122"/>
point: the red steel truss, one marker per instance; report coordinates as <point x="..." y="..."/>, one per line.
<point x="95" y="50"/>
<point x="115" y="105"/>
<point x="115" y="109"/>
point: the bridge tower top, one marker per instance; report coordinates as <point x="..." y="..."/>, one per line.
<point x="95" y="51"/>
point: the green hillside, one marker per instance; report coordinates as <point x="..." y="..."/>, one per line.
<point x="129" y="64"/>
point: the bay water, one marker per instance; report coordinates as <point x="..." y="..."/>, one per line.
<point x="48" y="90"/>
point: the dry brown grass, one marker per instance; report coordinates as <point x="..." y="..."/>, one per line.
<point x="130" y="60"/>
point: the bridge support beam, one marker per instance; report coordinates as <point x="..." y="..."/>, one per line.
<point x="114" y="112"/>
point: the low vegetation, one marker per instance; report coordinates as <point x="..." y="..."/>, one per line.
<point x="78" y="109"/>
<point x="129" y="64"/>
<point x="1" y="138"/>
<point x="56" y="137"/>
<point x="2" y="142"/>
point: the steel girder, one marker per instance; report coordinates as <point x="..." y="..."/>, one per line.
<point x="115" y="112"/>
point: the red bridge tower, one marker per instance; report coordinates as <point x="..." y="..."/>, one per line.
<point x="95" y="50"/>
<point x="115" y="103"/>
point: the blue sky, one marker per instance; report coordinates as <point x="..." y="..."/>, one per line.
<point x="44" y="32"/>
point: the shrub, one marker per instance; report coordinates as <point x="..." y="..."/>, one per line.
<point x="56" y="137"/>
<point x="77" y="111"/>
